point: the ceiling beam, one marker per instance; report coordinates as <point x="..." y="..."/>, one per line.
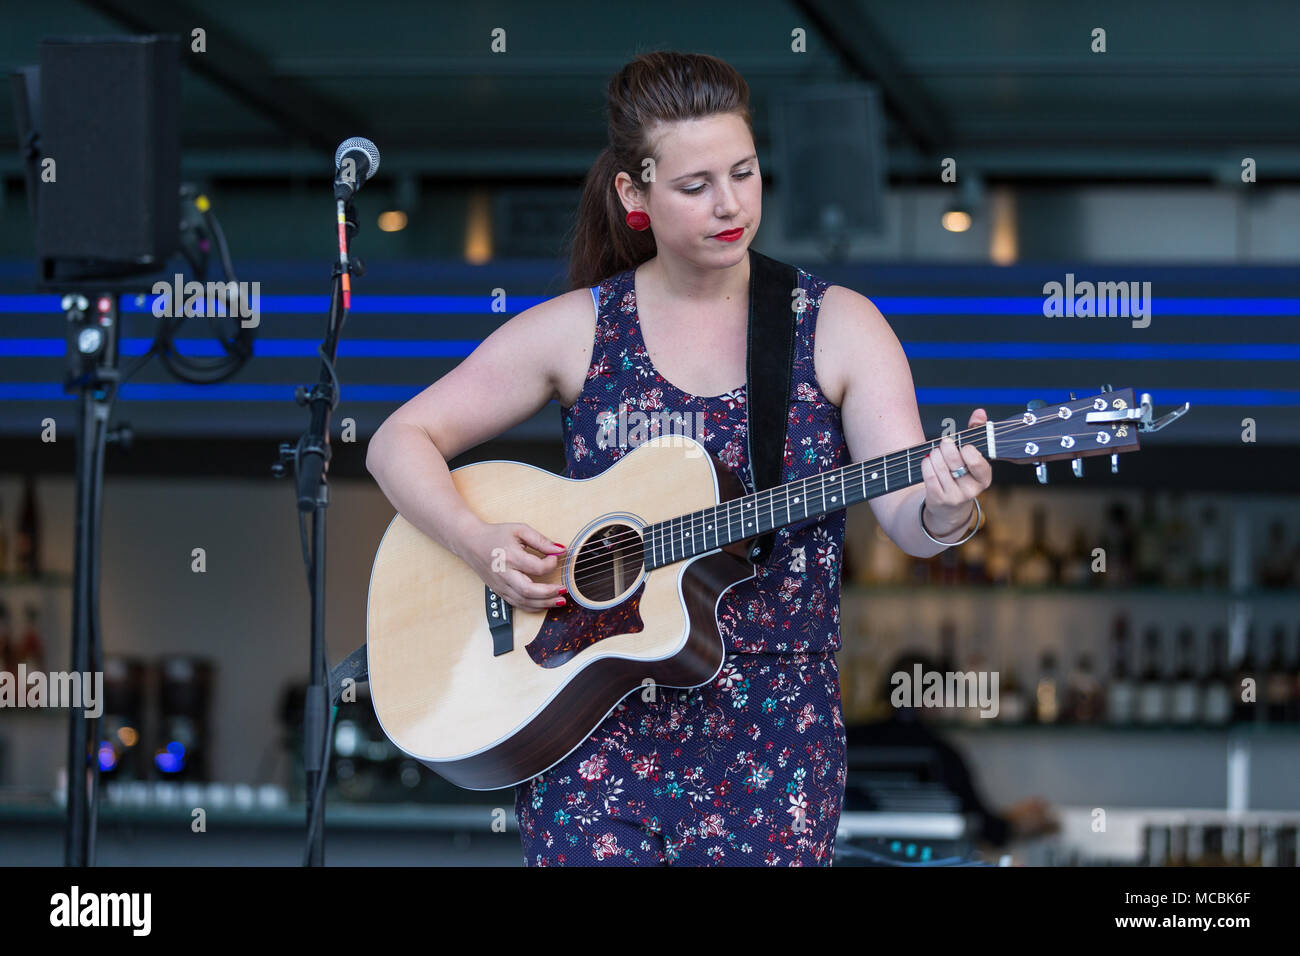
<point x="241" y="70"/>
<point x="861" y="44"/>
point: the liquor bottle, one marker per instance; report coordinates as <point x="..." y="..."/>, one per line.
<point x="979" y="664"/>
<point x="1185" y="702"/>
<point x="1085" y="703"/>
<point x="1277" y="685"/>
<point x="1179" y="544"/>
<point x="975" y="555"/>
<point x="1149" y="554"/>
<point x="1076" y="570"/>
<point x="1295" y="681"/>
<point x="8" y="653"/>
<point x="1216" y="689"/>
<point x="1212" y="846"/>
<point x="1275" y="563"/>
<point x="1118" y="545"/>
<point x="947" y="664"/>
<point x="31" y="649"/>
<point x="1244" y="711"/>
<point x="1153" y="692"/>
<point x="886" y="564"/>
<point x="1035" y="565"/>
<point x="28" y="556"/>
<point x="1212" y="551"/>
<point x="1121" y="695"/>
<point x="1013" y="707"/>
<point x="998" y="551"/>
<point x="1046" y="700"/>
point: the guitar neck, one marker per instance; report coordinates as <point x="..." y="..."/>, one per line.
<point x="740" y="518"/>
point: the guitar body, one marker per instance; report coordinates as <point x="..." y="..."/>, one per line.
<point x="489" y="696"/>
<point x="485" y="720"/>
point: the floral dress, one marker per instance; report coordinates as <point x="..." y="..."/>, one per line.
<point x="748" y="769"/>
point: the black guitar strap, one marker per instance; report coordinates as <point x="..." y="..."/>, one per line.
<point x="769" y="358"/>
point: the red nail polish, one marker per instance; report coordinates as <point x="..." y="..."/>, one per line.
<point x="560" y="603"/>
<point x="558" y="545"/>
<point x="564" y="590"/>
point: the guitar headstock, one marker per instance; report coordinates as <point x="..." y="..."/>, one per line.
<point x="1103" y="424"/>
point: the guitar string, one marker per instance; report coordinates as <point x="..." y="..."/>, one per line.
<point x="601" y="560"/>
<point x="607" y="559"/>
<point x="666" y="542"/>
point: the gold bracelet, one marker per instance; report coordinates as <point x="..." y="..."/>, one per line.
<point x="979" y="512"/>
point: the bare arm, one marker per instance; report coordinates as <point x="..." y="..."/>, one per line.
<point x="512" y="374"/>
<point x="867" y="370"/>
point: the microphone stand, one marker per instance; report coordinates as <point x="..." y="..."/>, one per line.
<point x="310" y="460"/>
<point x="92" y="371"/>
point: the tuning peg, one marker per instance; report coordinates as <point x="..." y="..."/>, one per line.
<point x="1107" y="388"/>
<point x="1076" y="466"/>
<point x="1072" y="396"/>
<point x="1035" y="403"/>
<point x="1040" y="470"/>
<point x="1114" y="463"/>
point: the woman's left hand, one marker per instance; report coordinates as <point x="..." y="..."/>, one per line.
<point x="947" y="499"/>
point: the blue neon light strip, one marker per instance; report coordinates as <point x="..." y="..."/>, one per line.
<point x="143" y="392"/>
<point x="459" y="348"/>
<point x="896" y="305"/>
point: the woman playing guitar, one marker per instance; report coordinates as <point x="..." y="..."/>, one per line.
<point x="749" y="768"/>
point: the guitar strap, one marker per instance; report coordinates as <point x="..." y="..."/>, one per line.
<point x="769" y="361"/>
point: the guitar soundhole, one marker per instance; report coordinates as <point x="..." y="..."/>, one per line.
<point x="608" y="563"/>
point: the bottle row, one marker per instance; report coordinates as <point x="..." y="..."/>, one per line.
<point x="1173" y="550"/>
<point x="1219" y="844"/>
<point x="1187" y="681"/>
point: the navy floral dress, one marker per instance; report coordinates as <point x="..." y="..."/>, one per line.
<point x="749" y="769"/>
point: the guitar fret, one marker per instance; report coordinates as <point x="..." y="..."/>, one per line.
<point x="741" y="518"/>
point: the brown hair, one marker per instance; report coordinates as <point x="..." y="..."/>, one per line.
<point x="660" y="87"/>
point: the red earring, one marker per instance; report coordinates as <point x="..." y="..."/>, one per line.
<point x="638" y="220"/>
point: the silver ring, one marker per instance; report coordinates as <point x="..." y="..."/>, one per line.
<point x="958" y="472"/>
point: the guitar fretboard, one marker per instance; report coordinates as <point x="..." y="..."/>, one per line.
<point x="720" y="525"/>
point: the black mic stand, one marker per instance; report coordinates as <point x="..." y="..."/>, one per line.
<point x="92" y="337"/>
<point x="311" y="466"/>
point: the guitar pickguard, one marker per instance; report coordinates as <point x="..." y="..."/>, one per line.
<point x="567" y="630"/>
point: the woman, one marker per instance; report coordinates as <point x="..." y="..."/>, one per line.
<point x="748" y="769"/>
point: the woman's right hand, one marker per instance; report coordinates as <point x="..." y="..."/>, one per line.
<point x="499" y="555"/>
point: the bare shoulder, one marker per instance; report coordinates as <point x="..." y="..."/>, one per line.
<point x="570" y="320"/>
<point x="556" y="336"/>
<point x="851" y="335"/>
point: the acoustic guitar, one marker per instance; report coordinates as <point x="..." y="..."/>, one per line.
<point x="489" y="696"/>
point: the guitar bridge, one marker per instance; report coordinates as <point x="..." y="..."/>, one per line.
<point x="500" y="618"/>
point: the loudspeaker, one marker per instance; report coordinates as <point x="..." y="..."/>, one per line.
<point x="829" y="148"/>
<point x="108" y="204"/>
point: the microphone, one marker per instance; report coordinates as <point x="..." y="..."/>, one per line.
<point x="355" y="161"/>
